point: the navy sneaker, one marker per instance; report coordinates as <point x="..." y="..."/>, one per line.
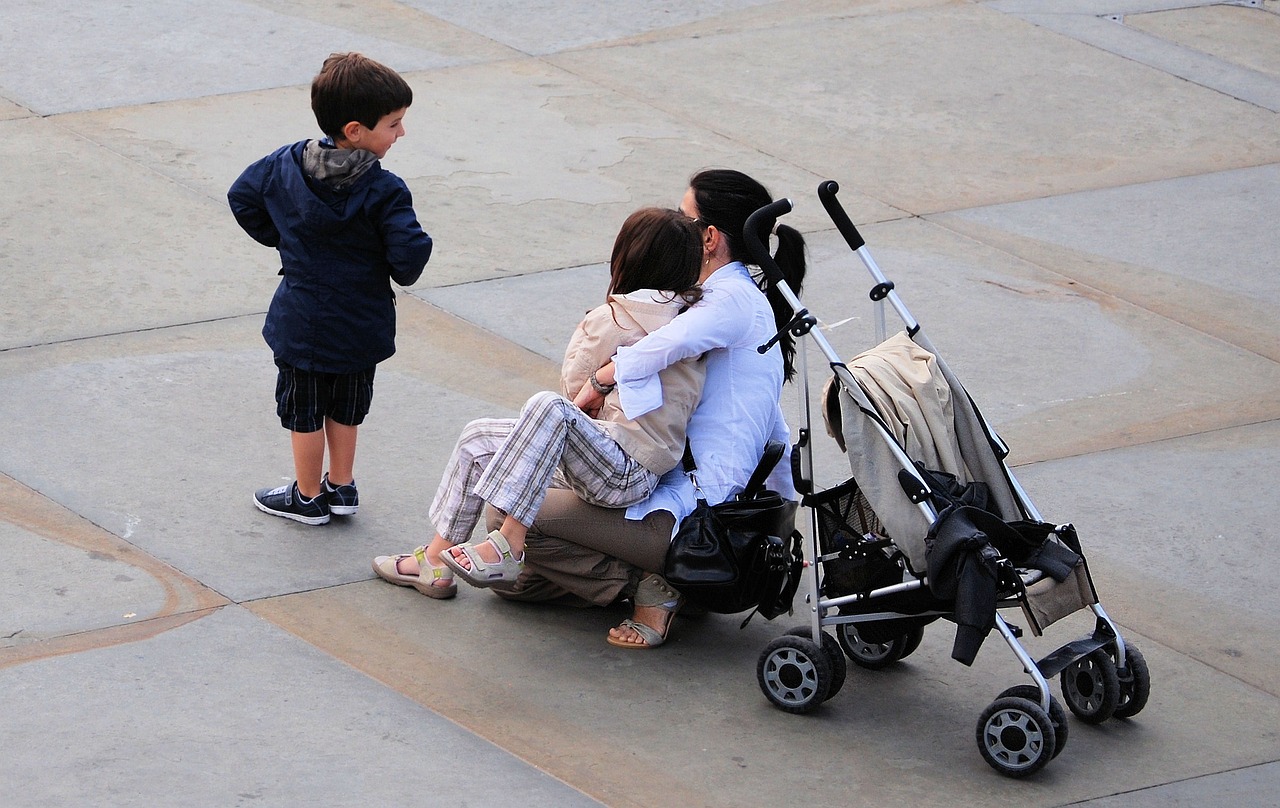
<point x="344" y="500"/>
<point x="287" y="502"/>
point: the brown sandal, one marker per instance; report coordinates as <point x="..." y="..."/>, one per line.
<point x="653" y="591"/>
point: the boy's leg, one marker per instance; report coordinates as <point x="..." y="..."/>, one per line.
<point x="308" y="461"/>
<point x="347" y="397"/>
<point x="341" y="439"/>
<point x="297" y="399"/>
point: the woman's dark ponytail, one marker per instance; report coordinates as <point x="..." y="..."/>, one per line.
<point x="725" y="198"/>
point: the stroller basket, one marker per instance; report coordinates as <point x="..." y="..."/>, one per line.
<point x="884" y="546"/>
<point x="855" y="557"/>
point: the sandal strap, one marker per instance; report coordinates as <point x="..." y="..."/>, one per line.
<point x="653" y="590"/>
<point x="649" y="634"/>
<point x="440" y="573"/>
<point x="480" y="572"/>
<point x="499" y="541"/>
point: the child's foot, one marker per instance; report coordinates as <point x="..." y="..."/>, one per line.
<point x="415" y="570"/>
<point x="286" y="501"/>
<point x="484" y="564"/>
<point x="344" y="500"/>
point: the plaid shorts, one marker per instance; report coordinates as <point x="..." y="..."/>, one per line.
<point x="304" y="398"/>
<point x="511" y="462"/>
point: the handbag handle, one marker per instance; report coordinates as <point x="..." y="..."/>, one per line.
<point x="772" y="454"/>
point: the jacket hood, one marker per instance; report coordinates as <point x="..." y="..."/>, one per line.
<point x="650" y="308"/>
<point x="339" y="168"/>
<point x="328" y="199"/>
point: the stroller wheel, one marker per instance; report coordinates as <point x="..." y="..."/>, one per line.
<point x="794" y="673"/>
<point x="1015" y="736"/>
<point x="871" y="655"/>
<point x="1057" y="715"/>
<point x="839" y="670"/>
<point x="1135" y="683"/>
<point x="912" y="638"/>
<point x="1091" y="687"/>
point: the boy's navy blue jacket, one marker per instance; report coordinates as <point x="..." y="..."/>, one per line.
<point x="334" y="310"/>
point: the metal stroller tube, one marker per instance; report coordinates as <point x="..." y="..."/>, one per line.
<point x="884" y="287"/>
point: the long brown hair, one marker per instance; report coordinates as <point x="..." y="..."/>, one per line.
<point x="657" y="248"/>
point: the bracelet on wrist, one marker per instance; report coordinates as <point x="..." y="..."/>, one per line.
<point x="602" y="389"/>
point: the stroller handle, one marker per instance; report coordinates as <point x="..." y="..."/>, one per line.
<point x="755" y="245"/>
<point x="827" y="193"/>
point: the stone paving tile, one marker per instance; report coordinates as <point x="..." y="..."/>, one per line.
<point x="694" y="713"/>
<point x="154" y="50"/>
<point x="103" y="245"/>
<point x="983" y="119"/>
<point x="188" y="497"/>
<point x="230" y="710"/>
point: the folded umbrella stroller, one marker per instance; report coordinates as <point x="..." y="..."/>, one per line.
<point x="932" y="524"/>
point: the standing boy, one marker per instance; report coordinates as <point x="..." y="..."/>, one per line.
<point x="345" y="229"/>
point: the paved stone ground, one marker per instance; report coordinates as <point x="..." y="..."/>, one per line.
<point x="1078" y="200"/>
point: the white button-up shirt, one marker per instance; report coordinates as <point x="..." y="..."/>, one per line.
<point x="739" y="410"/>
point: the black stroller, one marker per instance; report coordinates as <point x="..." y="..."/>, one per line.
<point x="932" y="524"/>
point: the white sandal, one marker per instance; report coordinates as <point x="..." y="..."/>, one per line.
<point x="485" y="573"/>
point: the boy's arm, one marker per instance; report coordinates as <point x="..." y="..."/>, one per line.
<point x="408" y="247"/>
<point x="245" y="198"/>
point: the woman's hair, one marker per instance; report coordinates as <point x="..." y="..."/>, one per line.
<point x="725" y="198"/>
<point x="353" y="87"/>
<point x="657" y="248"/>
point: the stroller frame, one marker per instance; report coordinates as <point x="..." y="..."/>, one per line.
<point x="1101" y="675"/>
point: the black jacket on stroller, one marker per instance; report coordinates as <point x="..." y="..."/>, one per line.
<point x="963" y="547"/>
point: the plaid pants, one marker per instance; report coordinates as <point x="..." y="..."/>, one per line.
<point x="510" y="463"/>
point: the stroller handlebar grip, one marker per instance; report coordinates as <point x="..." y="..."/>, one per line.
<point x="827" y="193"/>
<point x="762" y="220"/>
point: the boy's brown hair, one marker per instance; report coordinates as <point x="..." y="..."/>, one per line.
<point x="353" y="87"/>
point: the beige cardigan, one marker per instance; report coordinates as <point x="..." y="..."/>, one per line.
<point x="903" y="382"/>
<point x="655" y="439"/>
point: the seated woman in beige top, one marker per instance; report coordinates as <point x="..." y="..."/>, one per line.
<point x="603" y="457"/>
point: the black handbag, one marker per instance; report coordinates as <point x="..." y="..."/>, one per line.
<point x="741" y="554"/>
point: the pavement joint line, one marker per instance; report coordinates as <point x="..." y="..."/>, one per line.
<point x="128" y="332"/>
<point x="99" y="638"/>
<point x="1125" y="296"/>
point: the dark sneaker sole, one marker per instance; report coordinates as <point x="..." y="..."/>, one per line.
<point x="297" y="517"/>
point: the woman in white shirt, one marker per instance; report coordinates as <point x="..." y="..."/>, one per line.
<point x="600" y="554"/>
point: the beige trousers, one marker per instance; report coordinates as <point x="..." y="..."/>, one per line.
<point x="584" y="554"/>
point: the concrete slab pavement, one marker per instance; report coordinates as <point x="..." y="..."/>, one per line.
<point x="142" y="723"/>
<point x="1074" y="198"/>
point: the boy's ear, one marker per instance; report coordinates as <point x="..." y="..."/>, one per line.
<point x="351" y="131"/>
